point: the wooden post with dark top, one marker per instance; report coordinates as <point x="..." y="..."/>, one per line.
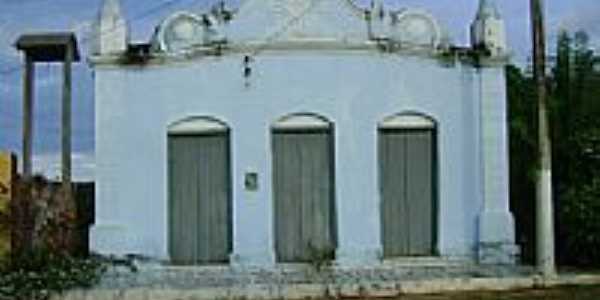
<point x="28" y="83"/>
<point x="66" y="119"/>
<point x="48" y="47"/>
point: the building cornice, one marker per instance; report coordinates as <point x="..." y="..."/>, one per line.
<point x="294" y="47"/>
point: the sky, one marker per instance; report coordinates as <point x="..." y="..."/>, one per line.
<point x="21" y="16"/>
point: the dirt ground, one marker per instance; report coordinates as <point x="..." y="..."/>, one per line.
<point x="567" y="293"/>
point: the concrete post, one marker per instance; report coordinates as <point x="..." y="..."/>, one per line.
<point x="496" y="223"/>
<point x="544" y="205"/>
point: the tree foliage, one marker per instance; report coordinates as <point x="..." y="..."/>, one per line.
<point x="43" y="262"/>
<point x="523" y="149"/>
<point x="574" y="86"/>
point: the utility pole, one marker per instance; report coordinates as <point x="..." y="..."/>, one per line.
<point x="544" y="206"/>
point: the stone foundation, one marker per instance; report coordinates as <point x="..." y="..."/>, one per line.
<point x="299" y="282"/>
<point x="497" y="238"/>
<point x="156" y="276"/>
<point x="499" y="254"/>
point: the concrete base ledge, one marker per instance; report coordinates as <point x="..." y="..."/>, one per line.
<point x="329" y="291"/>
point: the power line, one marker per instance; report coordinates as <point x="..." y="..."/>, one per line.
<point x="141" y="16"/>
<point x="9" y="71"/>
<point x="167" y="4"/>
<point x="136" y="18"/>
<point x="282" y="29"/>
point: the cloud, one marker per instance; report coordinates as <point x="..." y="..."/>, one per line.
<point x="7" y="39"/>
<point x="83" y="27"/>
<point x="83" y="30"/>
<point x="584" y="18"/>
<point x="49" y="165"/>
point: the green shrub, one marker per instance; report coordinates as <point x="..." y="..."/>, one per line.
<point x="40" y="274"/>
<point x="580" y="215"/>
<point x="320" y="257"/>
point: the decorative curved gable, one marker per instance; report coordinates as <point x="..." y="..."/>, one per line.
<point x="298" y="24"/>
<point x="415" y="28"/>
<point x="289" y="20"/>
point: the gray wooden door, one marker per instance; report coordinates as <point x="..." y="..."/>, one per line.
<point x="303" y="185"/>
<point x="407" y="187"/>
<point x="200" y="221"/>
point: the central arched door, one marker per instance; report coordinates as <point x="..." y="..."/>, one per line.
<point x="303" y="186"/>
<point x="200" y="218"/>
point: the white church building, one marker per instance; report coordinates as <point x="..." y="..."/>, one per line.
<point x="285" y="130"/>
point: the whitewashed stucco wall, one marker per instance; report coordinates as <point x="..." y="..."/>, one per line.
<point x="354" y="90"/>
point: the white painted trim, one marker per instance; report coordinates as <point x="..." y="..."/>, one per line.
<point x="197" y="125"/>
<point x="407" y="122"/>
<point x="305" y="121"/>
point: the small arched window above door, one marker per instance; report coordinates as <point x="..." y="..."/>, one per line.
<point x="197" y="125"/>
<point x="407" y="121"/>
<point x="304" y="121"/>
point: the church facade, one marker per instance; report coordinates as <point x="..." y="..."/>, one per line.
<point x="286" y="131"/>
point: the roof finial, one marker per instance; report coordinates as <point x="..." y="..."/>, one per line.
<point x="111" y="32"/>
<point x="111" y="8"/>
<point x="487" y="31"/>
<point x="488" y="9"/>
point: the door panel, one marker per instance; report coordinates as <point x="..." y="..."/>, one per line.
<point x="406" y="182"/>
<point x="303" y="183"/>
<point x="393" y="188"/>
<point x="200" y="199"/>
<point x="419" y="192"/>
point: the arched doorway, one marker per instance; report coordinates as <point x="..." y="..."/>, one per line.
<point x="303" y="188"/>
<point x="407" y="166"/>
<point x="200" y="217"/>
